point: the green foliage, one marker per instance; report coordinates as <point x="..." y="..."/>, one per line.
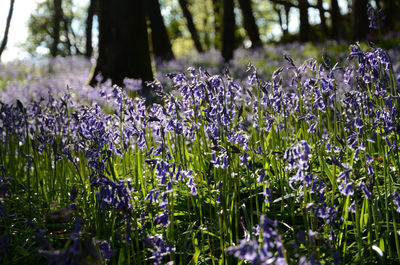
<point x="40" y="29"/>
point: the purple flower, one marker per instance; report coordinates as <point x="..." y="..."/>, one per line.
<point x="396" y="200"/>
<point x="267" y="194"/>
<point x="159" y="248"/>
<point x="346" y="188"/>
<point x="106" y="250"/>
<point x="374" y="16"/>
<point x="162" y="219"/>
<point x="270" y="250"/>
<point x="252" y="78"/>
<point x="247" y="250"/>
<point x="364" y="189"/>
<point x="352" y="207"/>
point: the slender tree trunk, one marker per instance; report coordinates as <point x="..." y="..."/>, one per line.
<point x="360" y="24"/>
<point x="228" y="31"/>
<point x="88" y="30"/>
<point x="161" y="45"/>
<point x="304" y="23"/>
<point x="5" y="36"/>
<point x="278" y="11"/>
<point x="287" y="13"/>
<point x="66" y="24"/>
<point x="250" y="23"/>
<point x="190" y="24"/>
<point x="75" y="41"/>
<point x="391" y="8"/>
<point x="217" y="7"/>
<point x="206" y="39"/>
<point x="336" y="20"/>
<point x="321" y="10"/>
<point x="57" y="17"/>
<point x="123" y="42"/>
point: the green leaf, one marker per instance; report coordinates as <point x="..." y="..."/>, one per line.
<point x="195" y="257"/>
<point x="122" y="256"/>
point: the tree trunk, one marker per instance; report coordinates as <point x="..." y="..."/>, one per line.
<point x="287" y="13"/>
<point x="391" y="9"/>
<point x="278" y="11"/>
<point x="321" y="10"/>
<point x="68" y="44"/>
<point x="228" y="31"/>
<point x="206" y="17"/>
<point x="304" y="23"/>
<point x="5" y="37"/>
<point x="190" y="24"/>
<point x="57" y="17"/>
<point x="250" y="23"/>
<point x="360" y="21"/>
<point x="336" y="20"/>
<point x="88" y="30"/>
<point x="217" y="7"/>
<point x="123" y="42"/>
<point x="161" y="45"/>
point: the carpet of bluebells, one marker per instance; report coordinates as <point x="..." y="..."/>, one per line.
<point x="296" y="163"/>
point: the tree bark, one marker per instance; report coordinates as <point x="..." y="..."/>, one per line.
<point x="250" y="24"/>
<point x="217" y="7"/>
<point x="57" y="17"/>
<point x="304" y="23"/>
<point x="228" y="31"/>
<point x="88" y="30"/>
<point x="123" y="42"/>
<point x="5" y="36"/>
<point x="161" y="45"/>
<point x="391" y="9"/>
<point x="190" y="24"/>
<point x="206" y="17"/>
<point x="360" y="24"/>
<point x="321" y="10"/>
<point x="67" y="24"/>
<point x="336" y="20"/>
<point x="278" y="11"/>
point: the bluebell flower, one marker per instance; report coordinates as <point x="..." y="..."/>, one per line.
<point x="106" y="250"/>
<point x="364" y="189"/>
<point x="352" y="207"/>
<point x="252" y="78"/>
<point x="243" y="159"/>
<point x="247" y="250"/>
<point x="159" y="248"/>
<point x="370" y="170"/>
<point x="346" y="188"/>
<point x="268" y="251"/>
<point x="325" y="212"/>
<point x="152" y="196"/>
<point x="267" y="195"/>
<point x="164" y="201"/>
<point x="358" y="123"/>
<point x="258" y="151"/>
<point x="261" y="175"/>
<point x="374" y="16"/>
<point x="396" y="200"/>
<point x="162" y="219"/>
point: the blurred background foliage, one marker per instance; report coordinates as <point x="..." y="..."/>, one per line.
<point x="125" y="45"/>
<point x="273" y="25"/>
